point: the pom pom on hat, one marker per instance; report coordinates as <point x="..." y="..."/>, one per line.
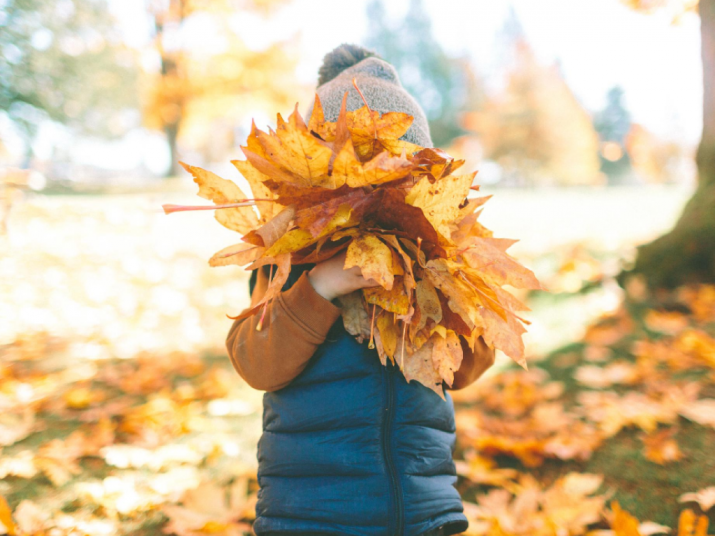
<point x="341" y="58"/>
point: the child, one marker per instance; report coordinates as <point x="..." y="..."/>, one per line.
<point x="348" y="446"/>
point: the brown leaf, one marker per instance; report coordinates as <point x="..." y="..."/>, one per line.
<point x="456" y="291"/>
<point x="428" y="302"/>
<point x="504" y="335"/>
<point x="484" y="255"/>
<point x="355" y="317"/>
<point x="436" y="163"/>
<point x="276" y="227"/>
<point x="446" y="355"/>
<point x="388" y="210"/>
<point x="419" y="366"/>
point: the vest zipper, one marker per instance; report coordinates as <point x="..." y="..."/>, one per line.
<point x="395" y="487"/>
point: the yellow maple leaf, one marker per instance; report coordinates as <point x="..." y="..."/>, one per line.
<point x="373" y="257"/>
<point x="440" y="200"/>
<point x="221" y="192"/>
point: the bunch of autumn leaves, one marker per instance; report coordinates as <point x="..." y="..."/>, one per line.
<point x="404" y="217"/>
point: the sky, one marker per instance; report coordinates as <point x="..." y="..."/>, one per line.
<point x="598" y="44"/>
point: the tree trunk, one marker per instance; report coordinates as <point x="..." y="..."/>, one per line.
<point x="172" y="133"/>
<point x="687" y="253"/>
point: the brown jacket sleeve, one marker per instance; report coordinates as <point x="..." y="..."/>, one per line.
<point x="296" y="323"/>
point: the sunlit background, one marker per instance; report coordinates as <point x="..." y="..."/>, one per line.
<point x="116" y="398"/>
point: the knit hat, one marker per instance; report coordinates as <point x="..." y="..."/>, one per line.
<point x="377" y="80"/>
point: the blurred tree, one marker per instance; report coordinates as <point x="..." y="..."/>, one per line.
<point x="686" y="254"/>
<point x="443" y="85"/>
<point x="613" y="124"/>
<point x="535" y="128"/>
<point x="654" y="159"/>
<point x="63" y="61"/>
<point x="202" y="83"/>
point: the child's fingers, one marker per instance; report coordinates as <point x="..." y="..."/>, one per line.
<point x="369" y="283"/>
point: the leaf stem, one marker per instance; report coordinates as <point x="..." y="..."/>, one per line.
<point x="168" y="209"/>
<point x="259" y="327"/>
<point x="371" y="344"/>
<point x="374" y="124"/>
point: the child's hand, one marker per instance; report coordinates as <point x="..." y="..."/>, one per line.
<point x="330" y="279"/>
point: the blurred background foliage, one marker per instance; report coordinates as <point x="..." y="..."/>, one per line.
<point x="64" y="62"/>
<point x="69" y="68"/>
<point x="592" y="122"/>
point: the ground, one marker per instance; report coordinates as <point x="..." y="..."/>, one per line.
<point x="122" y="415"/>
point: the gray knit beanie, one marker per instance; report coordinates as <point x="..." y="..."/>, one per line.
<point x="377" y="80"/>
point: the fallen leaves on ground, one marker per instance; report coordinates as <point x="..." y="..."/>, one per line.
<point x="651" y="372"/>
<point x="115" y="394"/>
<point x="705" y="498"/>
<point x="108" y="388"/>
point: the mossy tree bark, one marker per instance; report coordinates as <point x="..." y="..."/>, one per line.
<point x="686" y="254"/>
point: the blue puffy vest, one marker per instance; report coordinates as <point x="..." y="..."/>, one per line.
<point x="349" y="447"/>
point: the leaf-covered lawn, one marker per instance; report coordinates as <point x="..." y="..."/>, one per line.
<point x="120" y="413"/>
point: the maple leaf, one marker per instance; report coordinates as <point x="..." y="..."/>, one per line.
<point x="221" y="192"/>
<point x="394" y="300"/>
<point x="355" y="317"/>
<point x="428" y="303"/>
<point x="240" y="254"/>
<point x="419" y="366"/>
<point x="256" y="180"/>
<point x="440" y="200"/>
<point x="324" y="129"/>
<point x="446" y="354"/>
<point x="294" y="149"/>
<point x="368" y="128"/>
<point x="457" y="292"/>
<point x="273" y="229"/>
<point x="389" y="334"/>
<point x="383" y="168"/>
<point x="373" y="257"/>
<point x="486" y="255"/>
